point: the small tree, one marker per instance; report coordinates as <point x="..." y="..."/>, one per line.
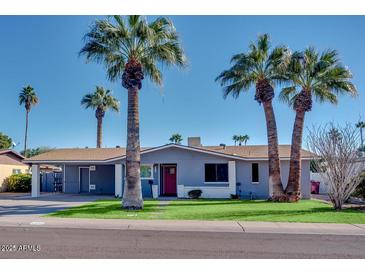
<point x="176" y="138"/>
<point x="337" y="159"/>
<point x="5" y="141"/>
<point x="36" y="151"/>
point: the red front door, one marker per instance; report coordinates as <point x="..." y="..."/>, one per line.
<point x="169" y="180"/>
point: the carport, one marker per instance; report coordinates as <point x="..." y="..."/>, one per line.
<point x="84" y="171"/>
<point x="85" y="178"/>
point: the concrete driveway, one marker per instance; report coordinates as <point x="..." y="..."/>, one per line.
<point x="19" y="205"/>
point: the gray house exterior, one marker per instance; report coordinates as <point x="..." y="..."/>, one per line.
<point x="172" y="170"/>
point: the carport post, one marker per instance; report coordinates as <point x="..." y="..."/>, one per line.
<point x="35" y="181"/>
<point x="118" y="180"/>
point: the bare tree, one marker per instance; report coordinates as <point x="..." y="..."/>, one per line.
<point x="336" y="159"/>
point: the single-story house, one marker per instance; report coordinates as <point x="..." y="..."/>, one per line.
<point x="11" y="162"/>
<point x="171" y="170"/>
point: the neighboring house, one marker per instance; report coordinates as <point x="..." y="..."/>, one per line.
<point x="172" y="170"/>
<point x="11" y="162"/>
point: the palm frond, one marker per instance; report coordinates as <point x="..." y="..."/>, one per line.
<point x="258" y="64"/>
<point x="286" y="95"/>
<point x="100" y="99"/>
<point x="116" y="40"/>
<point x="322" y="74"/>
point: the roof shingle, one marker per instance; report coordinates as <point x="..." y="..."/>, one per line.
<point x="104" y="154"/>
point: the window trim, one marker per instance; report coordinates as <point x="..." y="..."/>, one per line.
<point x="217" y="182"/>
<point x="147" y="178"/>
<point x="258" y="174"/>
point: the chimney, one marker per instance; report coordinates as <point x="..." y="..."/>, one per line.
<point x="194" y="142"/>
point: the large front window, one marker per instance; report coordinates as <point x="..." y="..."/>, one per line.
<point x="216" y="173"/>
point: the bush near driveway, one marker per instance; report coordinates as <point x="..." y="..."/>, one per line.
<point x="19" y="183"/>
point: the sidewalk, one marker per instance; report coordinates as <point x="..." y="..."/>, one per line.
<point x="199" y="226"/>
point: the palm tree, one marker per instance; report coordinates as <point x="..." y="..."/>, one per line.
<point x="29" y="98"/>
<point x="176" y="138"/>
<point x="361" y="125"/>
<point x="101" y="100"/>
<point x="311" y="75"/>
<point x="235" y="139"/>
<point x="132" y="48"/>
<point x="262" y="68"/>
<point x="245" y="138"/>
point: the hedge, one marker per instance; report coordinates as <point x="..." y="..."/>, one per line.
<point x="19" y="183"/>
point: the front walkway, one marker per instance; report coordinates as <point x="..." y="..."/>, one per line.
<point x="22" y="204"/>
<point x="188" y="226"/>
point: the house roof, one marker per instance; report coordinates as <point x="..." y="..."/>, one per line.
<point x="10" y="157"/>
<point x="255" y="151"/>
<point x="79" y="154"/>
<point x="111" y="154"/>
<point x="6" y="151"/>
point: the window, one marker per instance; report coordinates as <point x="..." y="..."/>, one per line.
<point x="147" y="172"/>
<point x="216" y="172"/>
<point x="255" y="172"/>
<point x="17" y="171"/>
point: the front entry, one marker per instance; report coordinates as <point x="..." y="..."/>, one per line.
<point x="84" y="179"/>
<point x="169" y="180"/>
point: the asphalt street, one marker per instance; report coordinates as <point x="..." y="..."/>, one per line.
<point x="41" y="242"/>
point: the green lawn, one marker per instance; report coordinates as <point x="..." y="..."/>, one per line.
<point x="308" y="211"/>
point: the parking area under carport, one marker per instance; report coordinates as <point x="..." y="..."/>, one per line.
<point x="18" y="205"/>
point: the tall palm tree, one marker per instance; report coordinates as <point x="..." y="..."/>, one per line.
<point x="261" y="67"/>
<point x="361" y="125"/>
<point x="131" y="48"/>
<point x="311" y="75"/>
<point x="235" y="139"/>
<point x="29" y="98"/>
<point x="101" y="100"/>
<point x="176" y="138"/>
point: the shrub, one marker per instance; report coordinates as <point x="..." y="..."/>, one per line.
<point x="360" y="189"/>
<point x="195" y="193"/>
<point x="19" y="183"/>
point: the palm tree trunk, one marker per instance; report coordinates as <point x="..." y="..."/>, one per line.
<point x="132" y="196"/>
<point x="276" y="191"/>
<point x="99" y="134"/>
<point x="293" y="186"/>
<point x="26" y="132"/>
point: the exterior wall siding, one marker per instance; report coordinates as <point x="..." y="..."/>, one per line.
<point x="71" y="179"/>
<point x="190" y="175"/>
<point x="103" y="179"/>
<point x="190" y="164"/>
<point x="248" y="190"/>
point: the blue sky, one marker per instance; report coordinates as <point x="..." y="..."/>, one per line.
<point x="43" y="51"/>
